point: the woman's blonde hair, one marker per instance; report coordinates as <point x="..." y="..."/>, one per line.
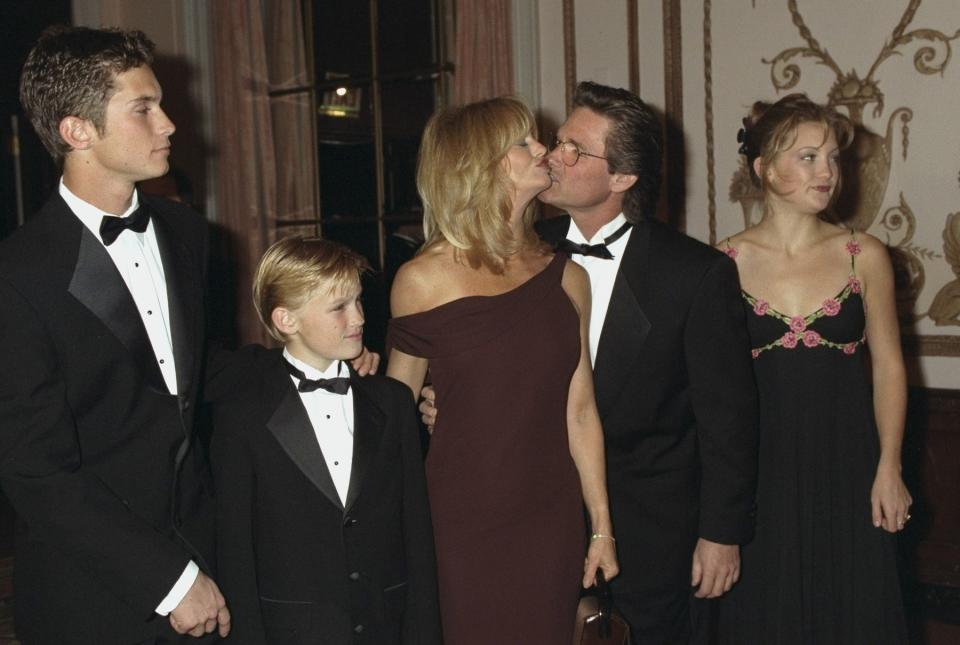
<point x="467" y="195"/>
<point x="295" y="269"/>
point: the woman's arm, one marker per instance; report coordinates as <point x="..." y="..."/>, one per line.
<point x="409" y="295"/>
<point x="889" y="497"/>
<point x="409" y="370"/>
<point x="586" y="438"/>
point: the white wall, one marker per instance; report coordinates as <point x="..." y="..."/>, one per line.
<point x="740" y="36"/>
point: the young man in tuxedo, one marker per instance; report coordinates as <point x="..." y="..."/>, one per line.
<point x="672" y="371"/>
<point x="101" y="331"/>
<point x="323" y="523"/>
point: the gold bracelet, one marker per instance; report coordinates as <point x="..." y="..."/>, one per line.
<point x="597" y="536"/>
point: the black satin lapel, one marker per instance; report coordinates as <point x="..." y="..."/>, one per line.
<point x="553" y="229"/>
<point x="626" y="326"/>
<point x="182" y="284"/>
<point x="291" y="426"/>
<point x="368" y="423"/>
<point x="97" y="285"/>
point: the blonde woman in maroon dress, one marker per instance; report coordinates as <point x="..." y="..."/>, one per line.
<point x="501" y="323"/>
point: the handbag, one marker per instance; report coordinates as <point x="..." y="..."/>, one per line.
<point x="597" y="622"/>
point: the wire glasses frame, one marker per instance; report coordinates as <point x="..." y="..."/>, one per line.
<point x="570" y="153"/>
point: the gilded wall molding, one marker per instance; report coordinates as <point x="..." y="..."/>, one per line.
<point x="569" y="51"/>
<point x="633" y="46"/>
<point x="708" y="117"/>
<point x="931" y="345"/>
<point x="674" y="181"/>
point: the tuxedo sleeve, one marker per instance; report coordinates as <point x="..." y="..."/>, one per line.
<point x="724" y="400"/>
<point x="421" y="619"/>
<point x="235" y="483"/>
<point x="64" y="505"/>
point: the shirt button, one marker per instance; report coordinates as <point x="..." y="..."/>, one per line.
<point x="358" y="629"/>
<point x="149" y="312"/>
<point x="136" y="264"/>
<point x="355" y="576"/>
<point x="162" y="361"/>
<point x="328" y="416"/>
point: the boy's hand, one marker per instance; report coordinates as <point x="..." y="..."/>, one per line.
<point x="366" y="363"/>
<point x="428" y="409"/>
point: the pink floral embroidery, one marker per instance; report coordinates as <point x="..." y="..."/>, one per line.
<point x="760" y="308"/>
<point x="798" y="324"/>
<point x="789" y="340"/>
<point x="854" y="284"/>
<point x="754" y="352"/>
<point x="731" y="252"/>
<point x="853" y="247"/>
<point x="849" y="348"/>
<point x="811" y="338"/>
<point x="831" y="307"/>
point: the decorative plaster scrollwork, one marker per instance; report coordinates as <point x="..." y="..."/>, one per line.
<point x="867" y="165"/>
<point x="945" y="308"/>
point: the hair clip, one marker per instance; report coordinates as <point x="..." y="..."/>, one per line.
<point x="742" y="138"/>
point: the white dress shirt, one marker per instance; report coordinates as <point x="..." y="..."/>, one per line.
<point x="331" y="416"/>
<point x="137" y="258"/>
<point x="602" y="273"/>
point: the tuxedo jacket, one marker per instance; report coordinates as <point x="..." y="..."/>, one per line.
<point x="96" y="456"/>
<point x="677" y="401"/>
<point x="295" y="564"/>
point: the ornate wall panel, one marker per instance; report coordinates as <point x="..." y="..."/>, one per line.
<point x="891" y="67"/>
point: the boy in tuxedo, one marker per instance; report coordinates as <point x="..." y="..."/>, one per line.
<point x="323" y="524"/>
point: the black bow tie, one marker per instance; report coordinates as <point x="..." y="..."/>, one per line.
<point x="338" y="385"/>
<point x="111" y="227"/>
<point x="594" y="250"/>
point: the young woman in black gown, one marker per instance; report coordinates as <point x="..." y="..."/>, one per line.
<point x="830" y="497"/>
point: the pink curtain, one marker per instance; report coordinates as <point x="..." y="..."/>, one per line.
<point x="292" y="115"/>
<point x="483" y="59"/>
<point x="265" y="169"/>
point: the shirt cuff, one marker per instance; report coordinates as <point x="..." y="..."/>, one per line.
<point x="179" y="590"/>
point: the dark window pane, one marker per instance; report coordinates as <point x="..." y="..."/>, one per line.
<point x="406" y="107"/>
<point x="347" y="181"/>
<point x="341" y="37"/>
<point x="406" y="35"/>
<point x="359" y="236"/>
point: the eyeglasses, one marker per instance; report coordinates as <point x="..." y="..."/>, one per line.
<point x="570" y="153"/>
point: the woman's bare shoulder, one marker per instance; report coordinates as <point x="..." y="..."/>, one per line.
<point x="870" y="253"/>
<point x="576" y="284"/>
<point x="418" y="281"/>
<point x="746" y="242"/>
<point x="575" y="274"/>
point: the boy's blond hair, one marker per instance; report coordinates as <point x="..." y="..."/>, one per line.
<point x="295" y="269"/>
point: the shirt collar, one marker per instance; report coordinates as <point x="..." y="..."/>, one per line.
<point x="333" y="370"/>
<point x="89" y="214"/>
<point x="574" y="234"/>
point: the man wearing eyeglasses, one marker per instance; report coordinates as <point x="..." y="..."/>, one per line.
<point x="672" y="368"/>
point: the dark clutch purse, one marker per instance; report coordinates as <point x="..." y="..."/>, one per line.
<point x="597" y="623"/>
